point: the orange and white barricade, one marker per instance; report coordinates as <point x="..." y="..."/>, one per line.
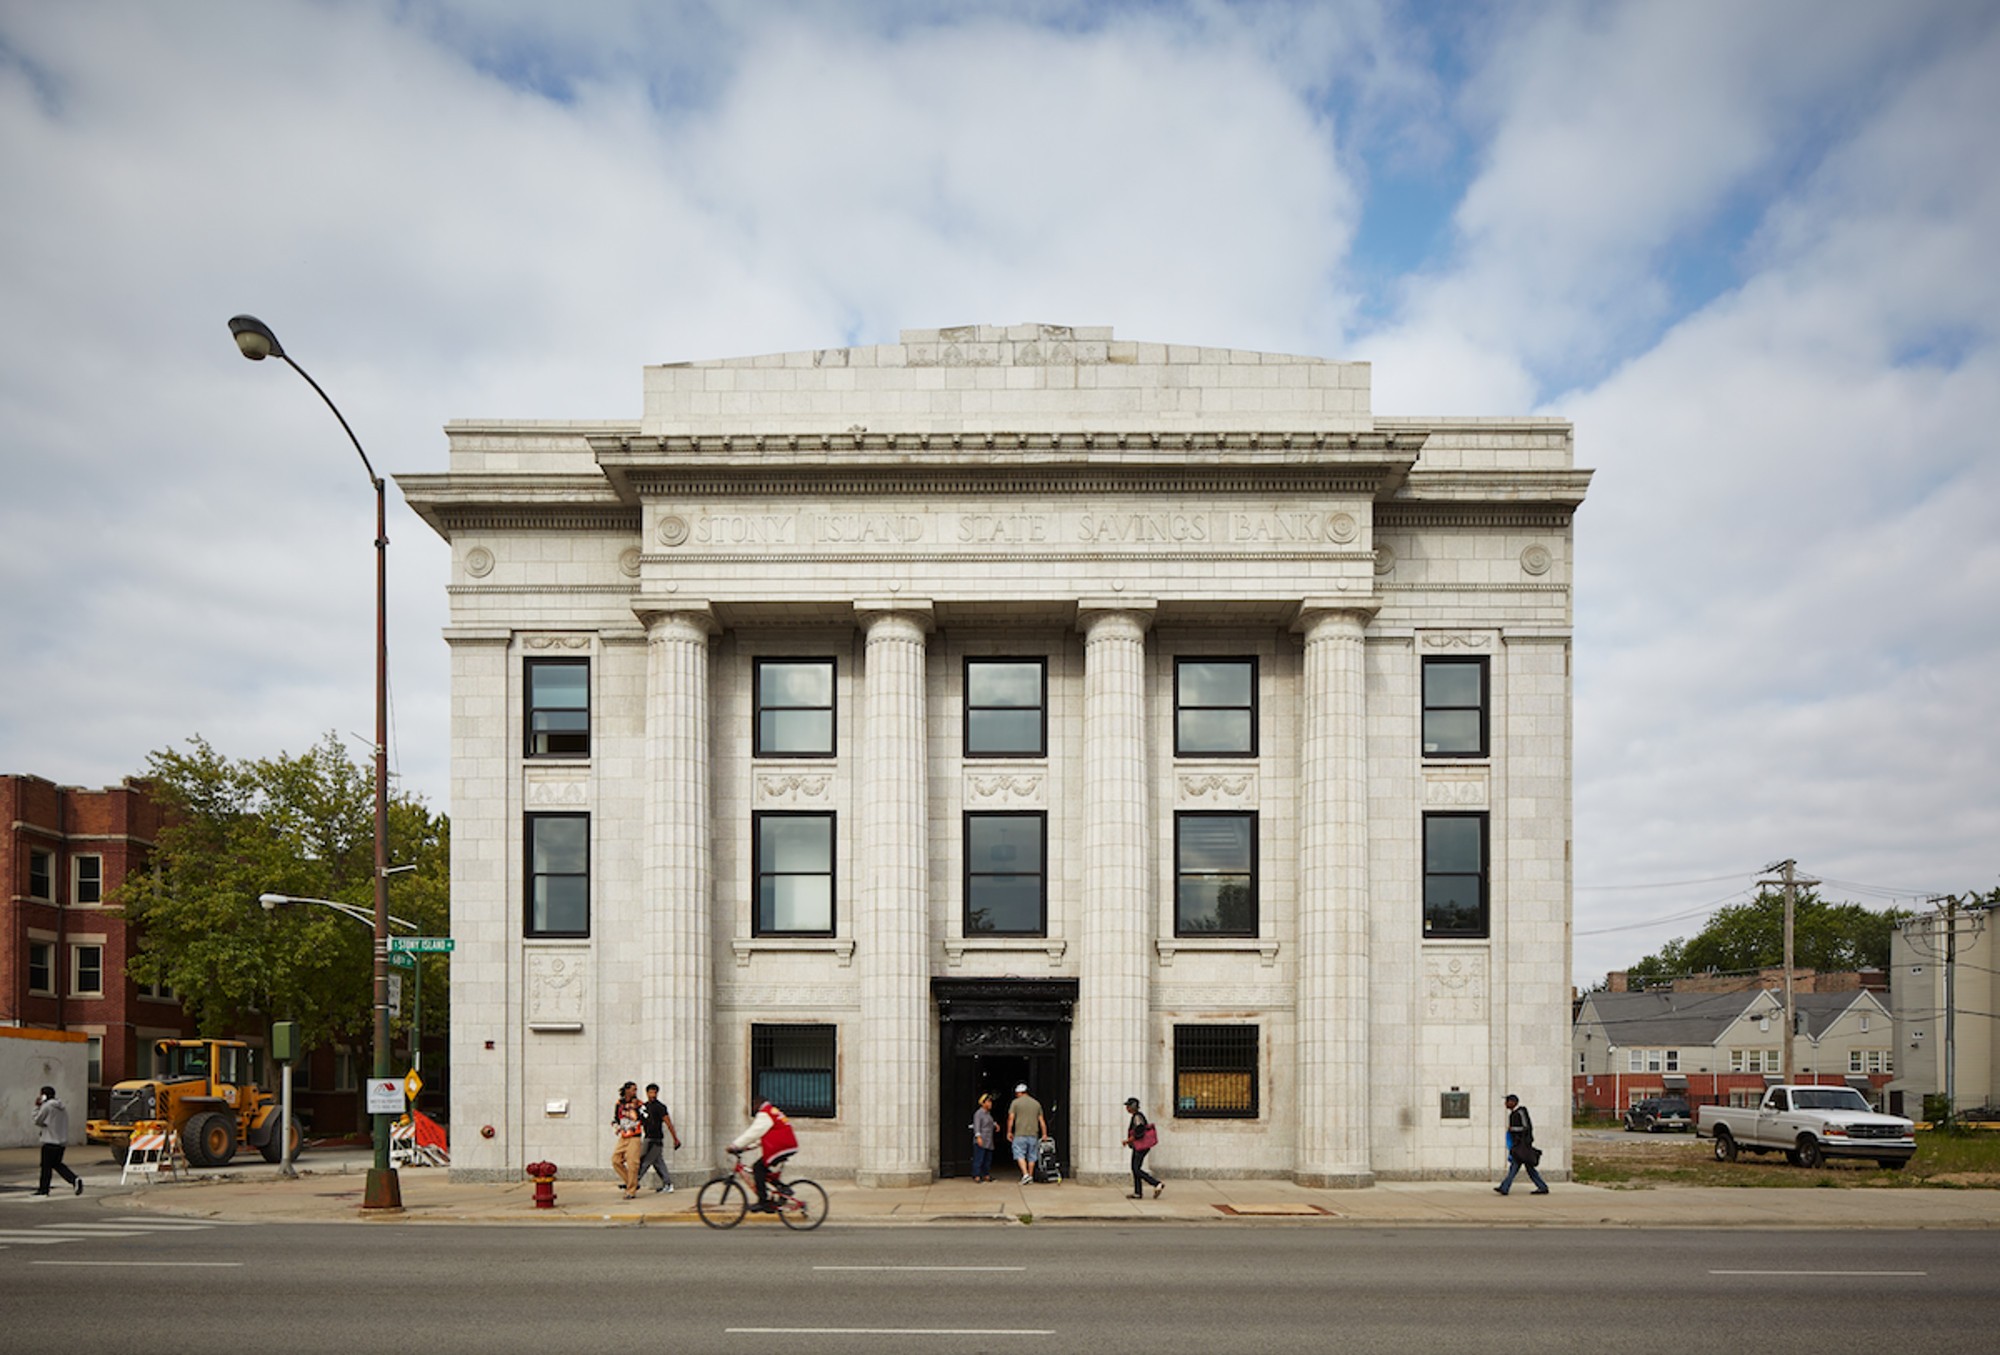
<point x="154" y="1151"/>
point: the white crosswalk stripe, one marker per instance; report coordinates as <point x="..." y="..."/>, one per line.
<point x="94" y="1230"/>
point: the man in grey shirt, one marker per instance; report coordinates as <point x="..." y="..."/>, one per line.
<point x="1027" y="1127"/>
<point x="52" y="1119"/>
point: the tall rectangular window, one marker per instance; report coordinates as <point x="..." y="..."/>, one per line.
<point x="88" y="873"/>
<point x="558" y="902"/>
<point x="793" y="1067"/>
<point x="1455" y="707"/>
<point x="94" y="1059"/>
<point x="794" y="707"/>
<point x="1215" y="1072"/>
<point x="1215" y="707"/>
<point x="1455" y="875"/>
<point x="1215" y="874"/>
<point x="42" y="968"/>
<point x="558" y="707"/>
<point x="1006" y="707"/>
<point x="794" y="855"/>
<point x="1006" y="891"/>
<point x="41" y="875"/>
<point x="86" y="971"/>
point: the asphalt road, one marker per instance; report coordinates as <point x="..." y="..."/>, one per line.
<point x="156" y="1286"/>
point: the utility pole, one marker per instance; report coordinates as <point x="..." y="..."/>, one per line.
<point x="1789" y="880"/>
<point x="1949" y="909"/>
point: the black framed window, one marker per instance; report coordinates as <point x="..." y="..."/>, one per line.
<point x="1455" y="875"/>
<point x="1215" y="874"/>
<point x="793" y="1067"/>
<point x="558" y="707"/>
<point x="89" y="874"/>
<point x="1006" y="878"/>
<point x="1215" y="1072"/>
<point x="794" y="854"/>
<point x="1215" y="707"/>
<point x="558" y="874"/>
<point x="1455" y="707"/>
<point x="1006" y="707"/>
<point x="794" y="707"/>
<point x="41" y="875"/>
<point x="86" y="973"/>
<point x="42" y="967"/>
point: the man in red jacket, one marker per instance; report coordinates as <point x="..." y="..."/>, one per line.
<point x="773" y="1133"/>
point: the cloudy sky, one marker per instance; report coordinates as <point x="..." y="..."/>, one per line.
<point x="1749" y="249"/>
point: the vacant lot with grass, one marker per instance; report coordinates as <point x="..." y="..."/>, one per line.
<point x="1635" y="1161"/>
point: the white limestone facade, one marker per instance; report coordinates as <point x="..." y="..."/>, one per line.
<point x="868" y="727"/>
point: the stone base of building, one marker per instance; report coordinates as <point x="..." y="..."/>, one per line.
<point x="897" y="1180"/>
<point x="1339" y="1178"/>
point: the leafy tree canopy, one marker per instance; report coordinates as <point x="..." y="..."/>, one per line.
<point x="303" y="826"/>
<point x="1750" y="936"/>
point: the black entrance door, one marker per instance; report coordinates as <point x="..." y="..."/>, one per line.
<point x="995" y="1034"/>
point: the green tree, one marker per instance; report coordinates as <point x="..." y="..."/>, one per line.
<point x="303" y="826"/>
<point x="1751" y="936"/>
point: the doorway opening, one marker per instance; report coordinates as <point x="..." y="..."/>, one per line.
<point x="995" y="1035"/>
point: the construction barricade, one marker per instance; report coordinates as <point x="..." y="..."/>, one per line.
<point x="155" y="1151"/>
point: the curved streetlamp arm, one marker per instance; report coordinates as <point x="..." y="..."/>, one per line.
<point x="359" y="914"/>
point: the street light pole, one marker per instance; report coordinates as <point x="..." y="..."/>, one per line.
<point x="256" y="341"/>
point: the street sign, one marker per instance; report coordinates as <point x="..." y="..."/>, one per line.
<point x="412" y="1084"/>
<point x="395" y="995"/>
<point x="385" y="1096"/>
<point x="402" y="959"/>
<point x="425" y="945"/>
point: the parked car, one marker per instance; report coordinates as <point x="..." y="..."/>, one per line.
<point x="1809" y="1125"/>
<point x="1656" y="1113"/>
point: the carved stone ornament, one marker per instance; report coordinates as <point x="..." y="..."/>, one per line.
<point x="555" y="642"/>
<point x="1234" y="788"/>
<point x="673" y="530"/>
<point x="558" y="986"/>
<point x="1015" y="788"/>
<point x="1342" y="527"/>
<point x="1385" y="560"/>
<point x="1006" y="1037"/>
<point x="558" y="793"/>
<point x="791" y="787"/>
<point x="479" y="562"/>
<point x="1536" y="560"/>
<point x="1445" y="640"/>
<point x="1455" y="792"/>
<point x="628" y="562"/>
<point x="1455" y="988"/>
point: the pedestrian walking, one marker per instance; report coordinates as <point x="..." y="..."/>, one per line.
<point x="658" y="1123"/>
<point x="1140" y="1136"/>
<point x="984" y="1127"/>
<point x="1521" y="1149"/>
<point x="1026" y="1128"/>
<point x="629" y="1143"/>
<point x="52" y="1122"/>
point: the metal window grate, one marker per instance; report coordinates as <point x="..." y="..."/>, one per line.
<point x="1215" y="1072"/>
<point x="793" y="1068"/>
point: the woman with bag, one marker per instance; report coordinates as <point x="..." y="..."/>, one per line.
<point x="1140" y="1136"/>
<point x="984" y="1127"/>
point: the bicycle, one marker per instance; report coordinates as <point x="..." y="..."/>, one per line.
<point x="725" y="1198"/>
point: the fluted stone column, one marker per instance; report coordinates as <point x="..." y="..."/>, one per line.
<point x="892" y="915"/>
<point x="1333" y="1047"/>
<point x="1108" y="1060"/>
<point x="678" y="993"/>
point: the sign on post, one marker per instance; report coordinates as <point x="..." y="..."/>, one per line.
<point x="421" y="945"/>
<point x="385" y="1096"/>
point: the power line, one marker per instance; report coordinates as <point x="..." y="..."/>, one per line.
<point x="1670" y="884"/>
<point x="1671" y="917"/>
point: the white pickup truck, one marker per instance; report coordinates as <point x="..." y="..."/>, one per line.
<point x="1808" y="1125"/>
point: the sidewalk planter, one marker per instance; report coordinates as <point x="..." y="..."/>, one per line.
<point x="543" y="1174"/>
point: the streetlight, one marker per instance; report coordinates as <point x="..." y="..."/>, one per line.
<point x="256" y="341"/>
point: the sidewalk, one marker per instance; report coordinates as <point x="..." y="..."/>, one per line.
<point x="329" y="1185"/>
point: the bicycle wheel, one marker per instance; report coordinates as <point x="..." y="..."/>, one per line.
<point x="802" y="1206"/>
<point x="721" y="1202"/>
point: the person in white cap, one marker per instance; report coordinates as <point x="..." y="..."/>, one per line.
<point x="1027" y="1127"/>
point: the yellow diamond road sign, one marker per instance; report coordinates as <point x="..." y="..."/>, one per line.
<point x="412" y="1085"/>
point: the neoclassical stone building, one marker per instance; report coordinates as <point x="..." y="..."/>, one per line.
<point x="869" y="727"/>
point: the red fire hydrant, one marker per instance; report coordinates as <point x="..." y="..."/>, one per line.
<point x="543" y="1174"/>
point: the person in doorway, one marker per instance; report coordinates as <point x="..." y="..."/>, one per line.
<point x="771" y="1132"/>
<point x="1140" y="1136"/>
<point x="52" y="1125"/>
<point x="658" y="1124"/>
<point x="1521" y="1150"/>
<point x="629" y="1142"/>
<point x="984" y="1127"/>
<point x="1026" y="1128"/>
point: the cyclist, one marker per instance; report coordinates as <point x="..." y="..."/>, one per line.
<point x="773" y="1133"/>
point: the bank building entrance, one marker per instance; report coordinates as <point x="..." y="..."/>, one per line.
<point x="993" y="1035"/>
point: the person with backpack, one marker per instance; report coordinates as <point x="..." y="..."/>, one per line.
<point x="1521" y="1149"/>
<point x="1140" y="1136"/>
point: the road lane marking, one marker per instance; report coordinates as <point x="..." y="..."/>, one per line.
<point x="978" y="1268"/>
<point x="35" y="1239"/>
<point x="223" y="1265"/>
<point x="1842" y="1273"/>
<point x="889" y="1331"/>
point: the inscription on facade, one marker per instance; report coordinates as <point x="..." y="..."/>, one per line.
<point x="557" y="987"/>
<point x="1204" y="527"/>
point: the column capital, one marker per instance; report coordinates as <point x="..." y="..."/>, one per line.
<point x="918" y="612"/>
<point x="657" y="609"/>
<point x="1314" y="612"/>
<point x="1092" y="612"/>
